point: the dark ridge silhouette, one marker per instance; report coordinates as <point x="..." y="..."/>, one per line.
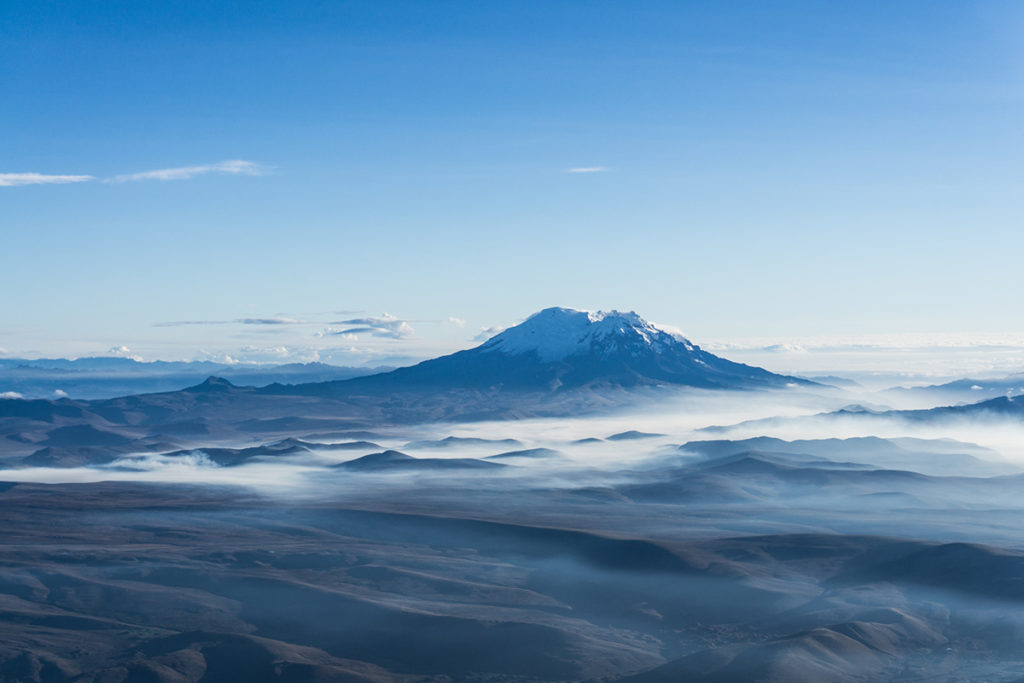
<point x="632" y="435"/>
<point x="211" y="384"/>
<point x="70" y="456"/>
<point x="40" y="409"/>
<point x="958" y="567"/>
<point x="317" y="446"/>
<point x="454" y="441"/>
<point x="526" y="453"/>
<point x="394" y="461"/>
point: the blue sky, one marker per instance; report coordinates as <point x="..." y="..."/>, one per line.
<point x="773" y="170"/>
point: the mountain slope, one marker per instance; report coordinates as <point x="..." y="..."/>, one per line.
<point x="561" y="348"/>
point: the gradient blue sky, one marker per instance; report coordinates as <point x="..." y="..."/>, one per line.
<point x="771" y="169"/>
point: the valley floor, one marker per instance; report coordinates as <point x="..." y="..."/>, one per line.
<point x="146" y="582"/>
<point x="626" y="548"/>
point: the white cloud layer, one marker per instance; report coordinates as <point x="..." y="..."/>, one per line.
<point x="17" y="179"/>
<point x="587" y="169"/>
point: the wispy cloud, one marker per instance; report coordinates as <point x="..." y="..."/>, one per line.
<point x="457" y="322"/>
<point x="123" y="352"/>
<point x="335" y="332"/>
<point x="230" y="167"/>
<point x="240" y="321"/>
<point x="265" y="353"/>
<point x="18" y="179"/>
<point x="385" y="326"/>
<point x="180" y="323"/>
<point x="268" y="321"/>
<point x="488" y="332"/>
<point x="587" y="169"/>
<point x="785" y="348"/>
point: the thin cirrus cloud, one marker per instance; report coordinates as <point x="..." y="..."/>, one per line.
<point x="588" y="169"/>
<point x="182" y="323"/>
<point x="240" y="321"/>
<point x="19" y="179"/>
<point x="229" y="167"/>
<point x="268" y="321"/>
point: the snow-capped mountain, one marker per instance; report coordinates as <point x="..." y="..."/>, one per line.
<point x="558" y="333"/>
<point x="562" y="348"/>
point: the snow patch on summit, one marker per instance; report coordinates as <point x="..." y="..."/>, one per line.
<point x="558" y="333"/>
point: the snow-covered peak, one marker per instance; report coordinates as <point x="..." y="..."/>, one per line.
<point x="557" y="333"/>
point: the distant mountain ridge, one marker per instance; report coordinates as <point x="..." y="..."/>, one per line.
<point x="110" y="376"/>
<point x="1002" y="406"/>
<point x="966" y="390"/>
